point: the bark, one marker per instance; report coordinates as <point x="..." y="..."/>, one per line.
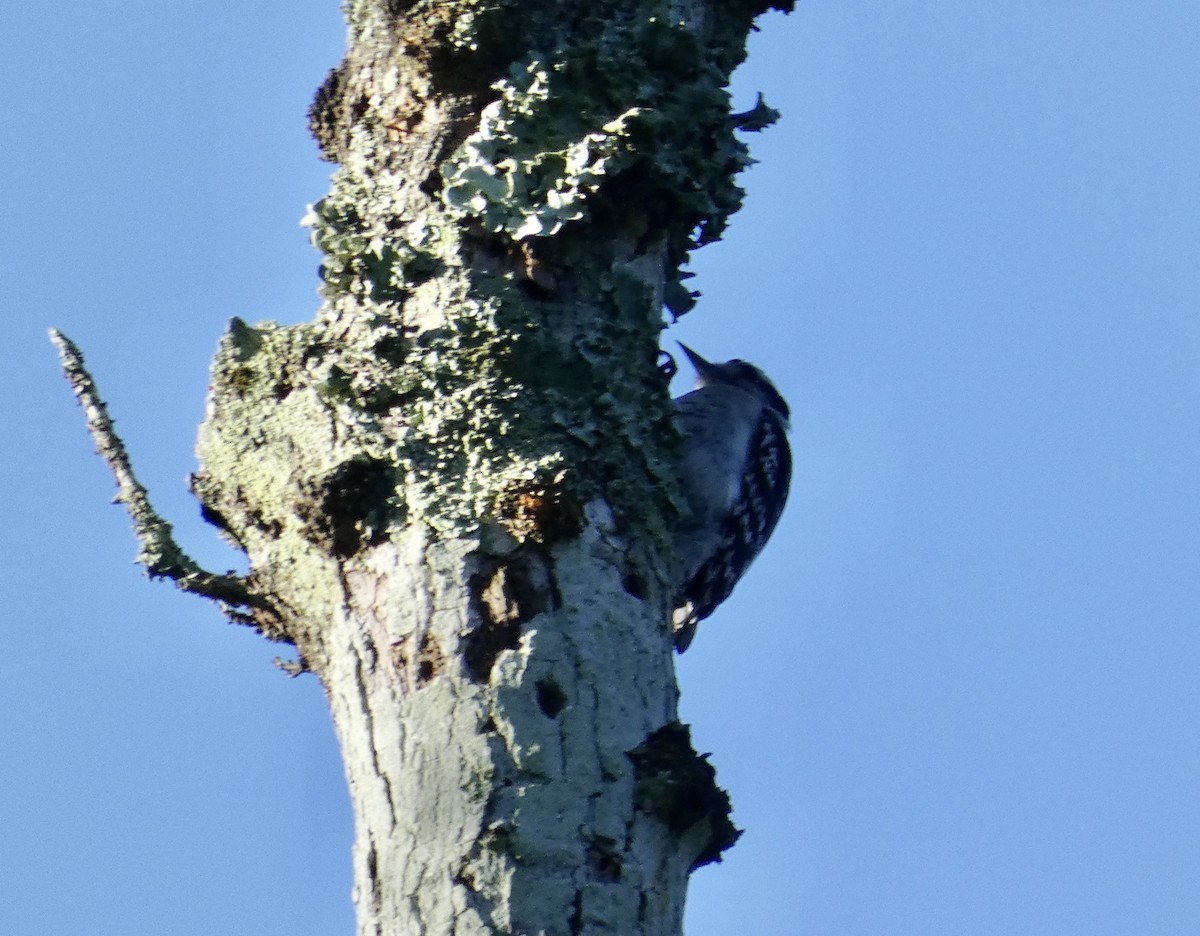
<point x="455" y="487"/>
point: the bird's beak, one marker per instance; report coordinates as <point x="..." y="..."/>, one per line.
<point x="703" y="368"/>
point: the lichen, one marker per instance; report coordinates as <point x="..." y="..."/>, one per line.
<point x="456" y="350"/>
<point x="577" y="127"/>
<point x="527" y="171"/>
<point x="365" y="256"/>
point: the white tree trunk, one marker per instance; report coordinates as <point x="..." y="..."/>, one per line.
<point x="455" y="489"/>
<point x="505" y="801"/>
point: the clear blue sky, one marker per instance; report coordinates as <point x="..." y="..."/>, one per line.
<point x="959" y="694"/>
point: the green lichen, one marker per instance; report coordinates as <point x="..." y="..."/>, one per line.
<point x="524" y="174"/>
<point x="579" y="127"/>
<point x="616" y="128"/>
<point x="364" y="258"/>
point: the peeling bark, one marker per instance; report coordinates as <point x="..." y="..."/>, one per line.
<point x="454" y="488"/>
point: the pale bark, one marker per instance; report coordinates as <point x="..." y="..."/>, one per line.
<point x="454" y="488"/>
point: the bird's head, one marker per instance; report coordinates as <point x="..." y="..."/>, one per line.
<point x="741" y="374"/>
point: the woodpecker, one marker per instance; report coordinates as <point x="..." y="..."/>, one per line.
<point x="735" y="470"/>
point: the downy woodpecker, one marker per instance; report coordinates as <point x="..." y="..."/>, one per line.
<point x="736" y="468"/>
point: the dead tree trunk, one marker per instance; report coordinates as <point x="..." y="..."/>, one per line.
<point x="455" y="486"/>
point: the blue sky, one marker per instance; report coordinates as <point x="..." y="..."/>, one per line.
<point x="958" y="694"/>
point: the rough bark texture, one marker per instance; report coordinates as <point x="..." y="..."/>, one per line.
<point x="454" y="487"/>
